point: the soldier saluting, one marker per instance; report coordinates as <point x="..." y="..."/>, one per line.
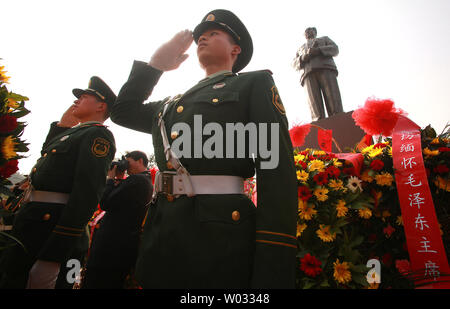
<point x="201" y="231"/>
<point x="66" y="186"/>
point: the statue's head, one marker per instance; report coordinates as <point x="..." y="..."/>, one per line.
<point x="310" y="33"/>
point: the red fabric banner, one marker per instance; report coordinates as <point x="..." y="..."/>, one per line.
<point x="324" y="138"/>
<point x="356" y="160"/>
<point x="426" y="250"/>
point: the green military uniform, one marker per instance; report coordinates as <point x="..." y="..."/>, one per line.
<point x="216" y="240"/>
<point x="75" y="162"/>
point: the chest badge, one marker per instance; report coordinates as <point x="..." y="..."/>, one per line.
<point x="64" y="138"/>
<point x="219" y="85"/>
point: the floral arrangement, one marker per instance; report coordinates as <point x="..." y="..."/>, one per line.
<point x="12" y="107"/>
<point x="346" y="218"/>
<point x="330" y="202"/>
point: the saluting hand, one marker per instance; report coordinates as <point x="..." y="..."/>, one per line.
<point x="68" y="120"/>
<point x="171" y="54"/>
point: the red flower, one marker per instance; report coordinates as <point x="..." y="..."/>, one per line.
<point x="379" y="145"/>
<point x="377" y="116"/>
<point x="298" y="134"/>
<point x="441" y="169"/>
<point x="304" y="193"/>
<point x="333" y="171"/>
<point x="403" y="266"/>
<point x="321" y="178"/>
<point x="443" y="149"/>
<point x="388" y="230"/>
<point x="7" y="123"/>
<point x="372" y="237"/>
<point x="153" y="171"/>
<point x="387" y="259"/>
<point x="302" y="164"/>
<point x="9" y="168"/>
<point x="377" y="165"/>
<point x="310" y="265"/>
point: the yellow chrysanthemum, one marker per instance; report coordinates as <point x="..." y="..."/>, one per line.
<point x="366" y="177"/>
<point x="324" y="233"/>
<point x="8" y="148"/>
<point x="341" y="209"/>
<point x="316" y="165"/>
<point x="384" y="179"/>
<point x="12" y="103"/>
<point x="386" y="213"/>
<point x="302" y="176"/>
<point x="399" y="220"/>
<point x="431" y="153"/>
<point x="319" y="153"/>
<point x="321" y="194"/>
<point x="367" y="149"/>
<point x="306" y="211"/>
<point x="301" y="228"/>
<point x="3" y="77"/>
<point x="341" y="272"/>
<point x="337" y="163"/>
<point x="375" y="152"/>
<point x="442" y="183"/>
<point x="365" y="213"/>
<point x="336" y="184"/>
<point x="435" y="141"/>
<point x="299" y="157"/>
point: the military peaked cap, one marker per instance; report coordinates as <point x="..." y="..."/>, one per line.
<point x="98" y="88"/>
<point x="230" y="23"/>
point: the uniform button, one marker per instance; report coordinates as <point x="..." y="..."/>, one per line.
<point x="45" y="154"/>
<point x="235" y="215"/>
<point x="174" y="134"/>
<point x="180" y="109"/>
<point x="215" y="100"/>
<point x="170" y="198"/>
<point x="34" y="169"/>
<point x="53" y="150"/>
<point x="169" y="165"/>
<point x="46" y="217"/>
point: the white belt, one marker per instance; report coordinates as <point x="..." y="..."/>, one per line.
<point x="173" y="184"/>
<point x="48" y="197"/>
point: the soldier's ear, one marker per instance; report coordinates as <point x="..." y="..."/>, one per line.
<point x="236" y="50"/>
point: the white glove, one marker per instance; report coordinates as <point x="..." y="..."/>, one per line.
<point x="171" y="54"/>
<point x="43" y="275"/>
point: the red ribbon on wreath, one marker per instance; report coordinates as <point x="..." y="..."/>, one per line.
<point x="426" y="250"/>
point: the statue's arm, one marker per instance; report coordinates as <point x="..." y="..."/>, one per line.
<point x="328" y="47"/>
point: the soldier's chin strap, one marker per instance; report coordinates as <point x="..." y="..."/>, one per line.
<point x="171" y="157"/>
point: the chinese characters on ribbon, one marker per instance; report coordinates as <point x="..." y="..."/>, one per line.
<point x="425" y="246"/>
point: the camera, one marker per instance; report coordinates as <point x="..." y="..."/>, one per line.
<point x="121" y="164"/>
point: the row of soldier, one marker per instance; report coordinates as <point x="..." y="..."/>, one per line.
<point x="207" y="234"/>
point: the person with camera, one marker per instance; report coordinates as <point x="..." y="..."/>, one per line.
<point x="115" y="244"/>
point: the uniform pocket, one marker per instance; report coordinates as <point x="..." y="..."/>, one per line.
<point x="217" y="98"/>
<point x="229" y="208"/>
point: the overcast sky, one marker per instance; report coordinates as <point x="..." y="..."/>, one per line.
<point x="397" y="49"/>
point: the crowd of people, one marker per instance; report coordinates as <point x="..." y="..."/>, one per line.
<point x="194" y="228"/>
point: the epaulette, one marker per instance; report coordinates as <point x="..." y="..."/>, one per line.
<point x="267" y="70"/>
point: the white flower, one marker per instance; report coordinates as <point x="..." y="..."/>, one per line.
<point x="354" y="183"/>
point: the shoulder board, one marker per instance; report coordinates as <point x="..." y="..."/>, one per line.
<point x="267" y="71"/>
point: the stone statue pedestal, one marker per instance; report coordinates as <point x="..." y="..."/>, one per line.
<point x="346" y="133"/>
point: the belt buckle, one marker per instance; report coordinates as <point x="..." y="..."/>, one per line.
<point x="167" y="184"/>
